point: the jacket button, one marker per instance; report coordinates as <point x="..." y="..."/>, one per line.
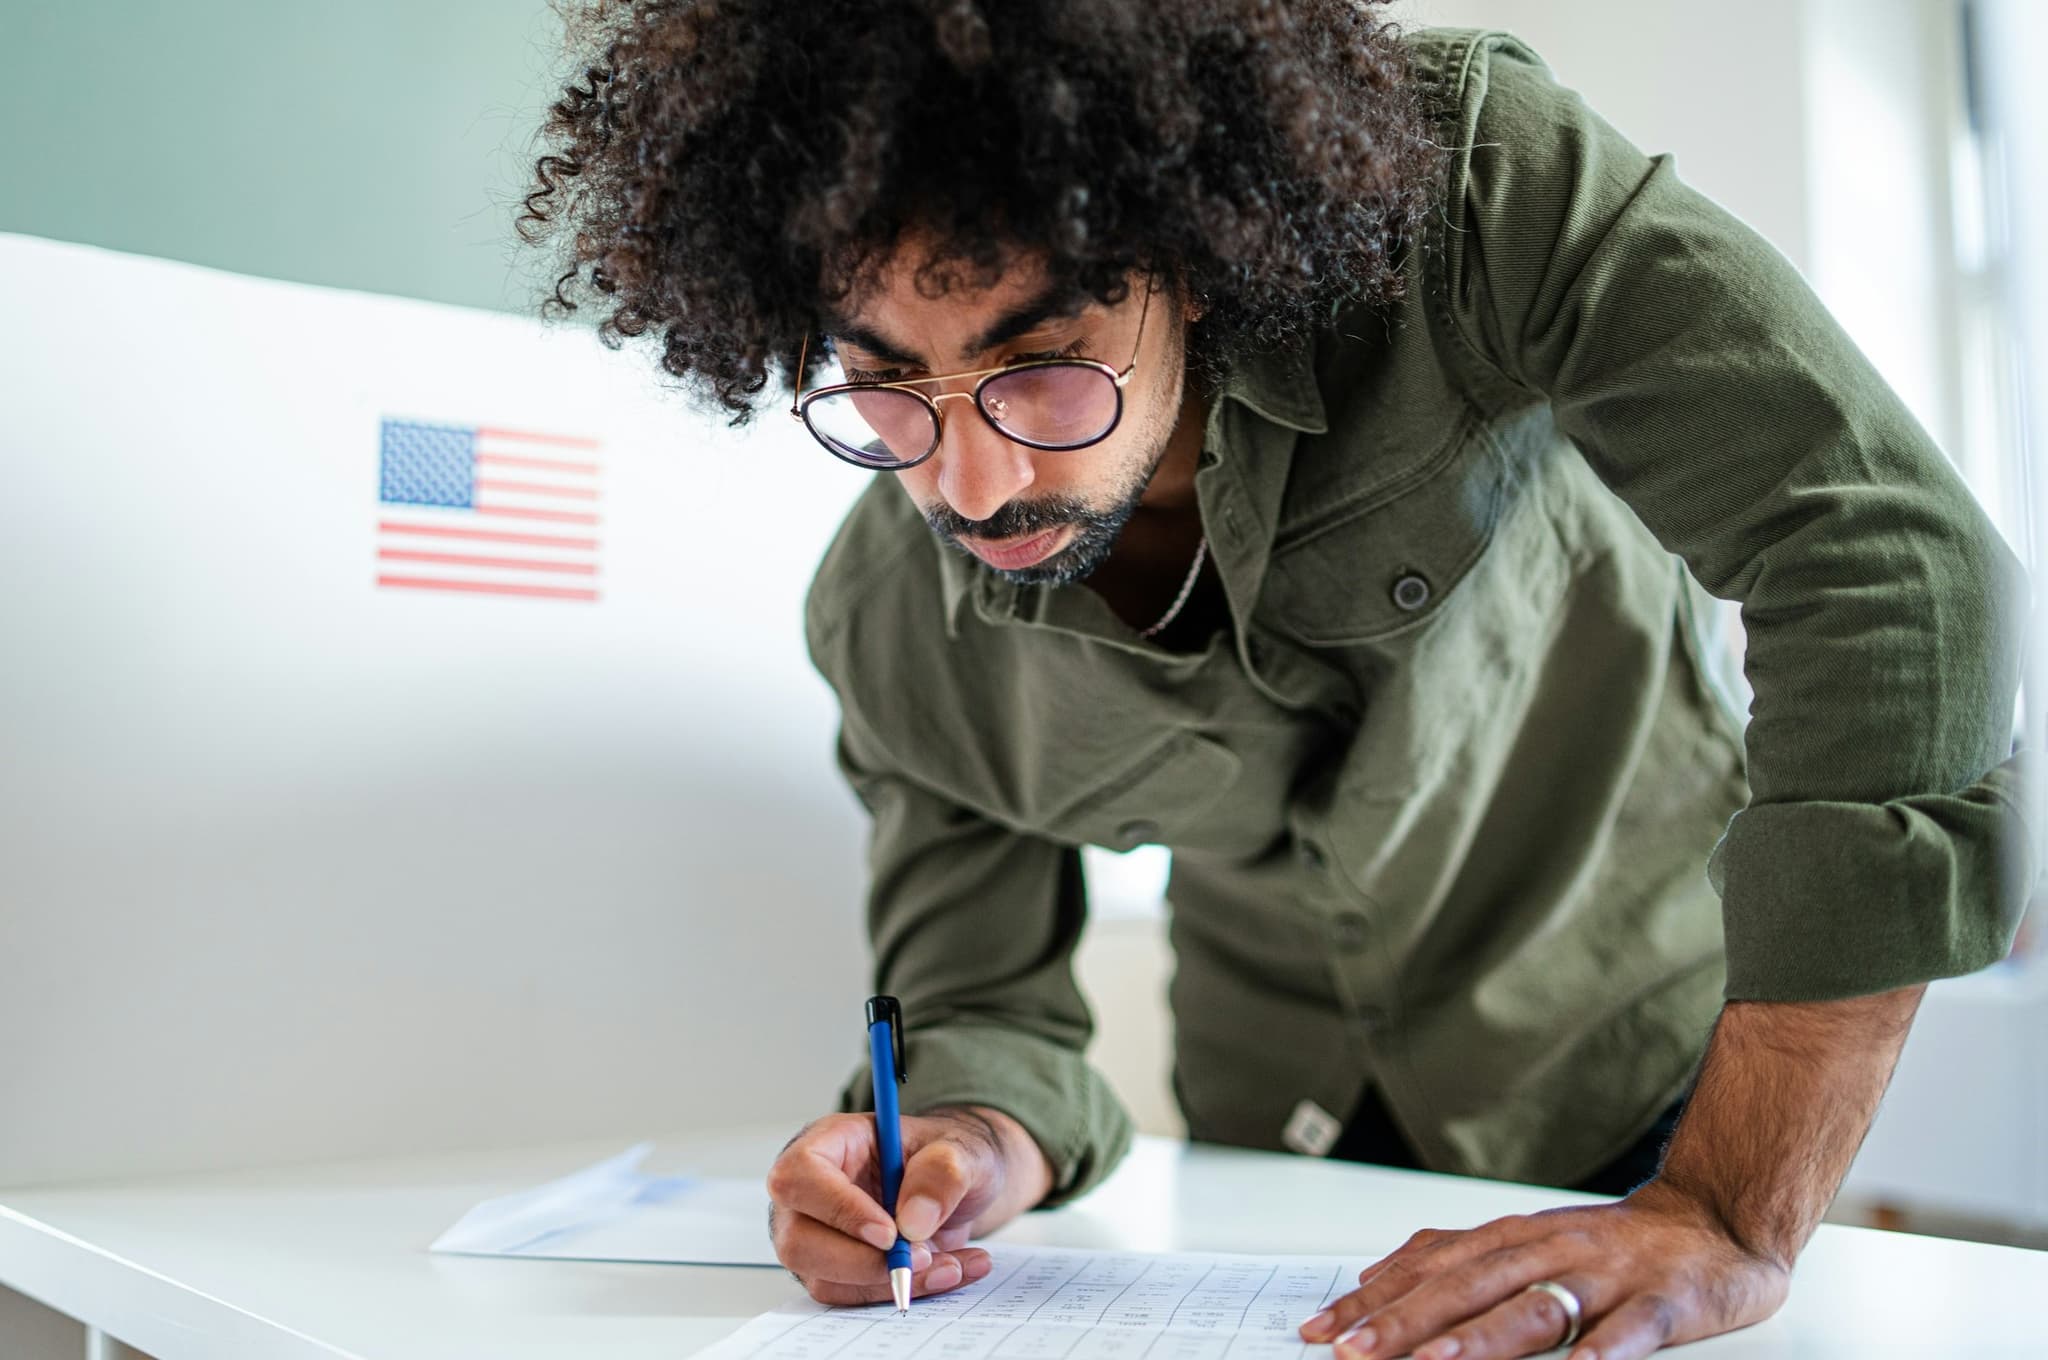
<point x="1352" y="930"/>
<point x="1411" y="592"/>
<point x="1136" y="833"/>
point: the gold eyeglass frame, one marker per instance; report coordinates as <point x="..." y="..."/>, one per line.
<point x="804" y="400"/>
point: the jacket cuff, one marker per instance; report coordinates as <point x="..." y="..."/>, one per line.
<point x="1062" y="1102"/>
<point x="1826" y="900"/>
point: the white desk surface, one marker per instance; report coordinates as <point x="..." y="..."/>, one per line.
<point x="331" y="1261"/>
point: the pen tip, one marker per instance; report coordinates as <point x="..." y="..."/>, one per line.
<point x="899" y="1289"/>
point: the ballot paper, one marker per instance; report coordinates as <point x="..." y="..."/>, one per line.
<point x="1050" y="1303"/>
<point x="614" y="1211"/>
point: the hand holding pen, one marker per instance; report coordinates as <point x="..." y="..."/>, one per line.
<point x="965" y="1171"/>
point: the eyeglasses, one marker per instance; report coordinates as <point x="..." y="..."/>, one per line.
<point x="1057" y="405"/>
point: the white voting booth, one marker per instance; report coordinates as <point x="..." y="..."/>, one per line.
<point x="298" y="866"/>
<point x="408" y="744"/>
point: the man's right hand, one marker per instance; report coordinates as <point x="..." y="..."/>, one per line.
<point x="966" y="1172"/>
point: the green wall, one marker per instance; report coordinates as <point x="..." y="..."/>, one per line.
<point x="373" y="144"/>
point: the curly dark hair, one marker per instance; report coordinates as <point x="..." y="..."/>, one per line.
<point x="725" y="168"/>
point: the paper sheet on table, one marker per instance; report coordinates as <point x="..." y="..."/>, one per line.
<point x="616" y="1212"/>
<point x="1048" y="1303"/>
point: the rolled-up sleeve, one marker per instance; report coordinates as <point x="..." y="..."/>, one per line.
<point x="1706" y="384"/>
<point x="973" y="927"/>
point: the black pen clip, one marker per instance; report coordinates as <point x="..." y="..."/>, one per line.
<point x="885" y="1009"/>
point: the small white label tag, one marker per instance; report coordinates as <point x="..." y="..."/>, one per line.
<point x="1311" y="1130"/>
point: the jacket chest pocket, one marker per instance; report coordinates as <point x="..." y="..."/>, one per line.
<point x="1388" y="559"/>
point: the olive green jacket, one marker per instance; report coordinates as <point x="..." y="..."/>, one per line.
<point x="1442" y="800"/>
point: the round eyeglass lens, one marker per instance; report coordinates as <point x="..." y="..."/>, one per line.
<point x="877" y="427"/>
<point x="1053" y="406"/>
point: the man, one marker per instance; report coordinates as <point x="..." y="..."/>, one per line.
<point x="1284" y="430"/>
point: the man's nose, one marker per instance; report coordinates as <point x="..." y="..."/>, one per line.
<point x="979" y="471"/>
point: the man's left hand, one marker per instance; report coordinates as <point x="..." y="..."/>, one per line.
<point x="1655" y="1269"/>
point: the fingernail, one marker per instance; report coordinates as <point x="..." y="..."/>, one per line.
<point x="880" y="1236"/>
<point x="920" y="1256"/>
<point x="978" y="1267"/>
<point x="918" y="1217"/>
<point x="944" y="1275"/>
<point x="1359" y="1340"/>
<point x="1443" y="1348"/>
<point x="1316" y="1327"/>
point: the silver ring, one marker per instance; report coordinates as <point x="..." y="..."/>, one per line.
<point x="1565" y="1300"/>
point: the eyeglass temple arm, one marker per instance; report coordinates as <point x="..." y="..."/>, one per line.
<point x="803" y="355"/>
<point x="1139" y="344"/>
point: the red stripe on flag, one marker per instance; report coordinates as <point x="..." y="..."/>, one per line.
<point x="487" y="588"/>
<point x="581" y="493"/>
<point x="521" y="512"/>
<point x="539" y="464"/>
<point x="486" y="535"/>
<point x="567" y="441"/>
<point x="465" y="560"/>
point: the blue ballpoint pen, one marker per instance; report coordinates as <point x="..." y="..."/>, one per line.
<point x="885" y="1058"/>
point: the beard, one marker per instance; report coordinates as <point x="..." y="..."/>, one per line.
<point x="1093" y="540"/>
<point x="1095" y="535"/>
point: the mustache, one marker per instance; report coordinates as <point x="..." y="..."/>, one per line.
<point x="1017" y="519"/>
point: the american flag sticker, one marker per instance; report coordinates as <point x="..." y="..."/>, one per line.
<point x="486" y="511"/>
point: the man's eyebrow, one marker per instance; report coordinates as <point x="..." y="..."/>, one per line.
<point x="1022" y="319"/>
<point x="873" y="343"/>
<point x="1053" y="304"/>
